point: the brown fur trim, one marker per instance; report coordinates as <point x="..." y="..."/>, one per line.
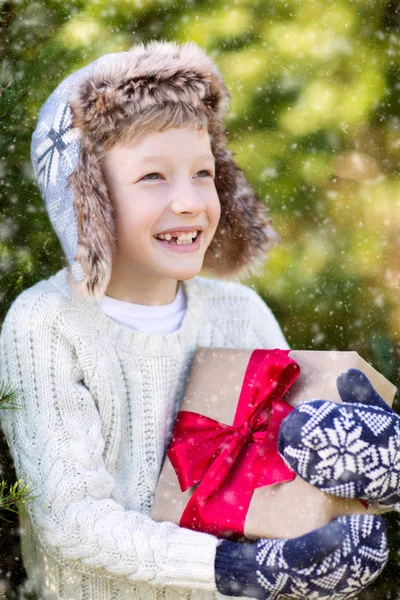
<point x="244" y="233"/>
<point x="148" y="76"/>
<point x="95" y="222"/>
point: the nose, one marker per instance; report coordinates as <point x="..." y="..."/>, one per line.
<point x="186" y="198"/>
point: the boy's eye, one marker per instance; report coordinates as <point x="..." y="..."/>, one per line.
<point x="206" y="172"/>
<point x="155" y="176"/>
<point x="149" y="175"/>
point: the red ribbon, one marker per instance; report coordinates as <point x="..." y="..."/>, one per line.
<point x="230" y="462"/>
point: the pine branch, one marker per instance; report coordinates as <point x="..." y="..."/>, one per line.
<point x="8" y="396"/>
<point x="19" y="492"/>
<point x="15" y="498"/>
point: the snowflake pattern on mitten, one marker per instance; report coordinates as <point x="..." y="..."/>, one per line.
<point x="306" y="567"/>
<point x="343" y="574"/>
<point x="350" y="450"/>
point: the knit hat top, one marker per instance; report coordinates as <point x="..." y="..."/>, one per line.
<point x="86" y="109"/>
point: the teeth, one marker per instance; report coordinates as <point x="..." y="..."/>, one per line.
<point x="185" y="238"/>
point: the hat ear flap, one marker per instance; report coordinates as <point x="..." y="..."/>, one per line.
<point x="244" y="232"/>
<point x="95" y="223"/>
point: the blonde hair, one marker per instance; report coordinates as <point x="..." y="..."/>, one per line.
<point x="156" y="119"/>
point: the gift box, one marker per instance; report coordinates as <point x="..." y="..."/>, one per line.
<point x="222" y="473"/>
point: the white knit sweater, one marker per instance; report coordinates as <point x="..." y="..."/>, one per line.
<point x="97" y="404"/>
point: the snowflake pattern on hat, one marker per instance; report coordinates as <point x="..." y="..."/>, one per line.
<point x="55" y="149"/>
<point x="59" y="135"/>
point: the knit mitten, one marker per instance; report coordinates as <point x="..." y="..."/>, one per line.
<point x="351" y="449"/>
<point x="336" y="561"/>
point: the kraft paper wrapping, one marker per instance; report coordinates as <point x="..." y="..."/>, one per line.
<point x="284" y="510"/>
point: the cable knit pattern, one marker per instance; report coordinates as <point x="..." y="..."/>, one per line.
<point x="97" y="404"/>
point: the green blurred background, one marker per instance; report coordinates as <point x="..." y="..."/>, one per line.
<point x="315" y="124"/>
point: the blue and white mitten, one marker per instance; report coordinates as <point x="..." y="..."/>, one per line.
<point x="334" y="562"/>
<point x="350" y="450"/>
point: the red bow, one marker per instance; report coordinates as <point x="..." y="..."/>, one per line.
<point x="204" y="451"/>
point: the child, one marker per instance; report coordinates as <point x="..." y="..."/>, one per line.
<point x="129" y="152"/>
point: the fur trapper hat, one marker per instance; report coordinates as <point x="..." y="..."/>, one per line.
<point x="88" y="113"/>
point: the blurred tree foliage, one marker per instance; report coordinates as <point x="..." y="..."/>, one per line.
<point x="315" y="124"/>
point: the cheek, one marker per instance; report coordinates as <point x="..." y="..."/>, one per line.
<point x="215" y="208"/>
<point x="136" y="214"/>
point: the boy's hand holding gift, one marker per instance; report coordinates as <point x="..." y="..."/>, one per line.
<point x="336" y="561"/>
<point x="350" y="450"/>
<point x="224" y="475"/>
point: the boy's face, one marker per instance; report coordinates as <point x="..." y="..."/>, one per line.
<point x="165" y="182"/>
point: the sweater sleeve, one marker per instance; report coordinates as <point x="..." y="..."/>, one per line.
<point x="56" y="443"/>
<point x="266" y="329"/>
